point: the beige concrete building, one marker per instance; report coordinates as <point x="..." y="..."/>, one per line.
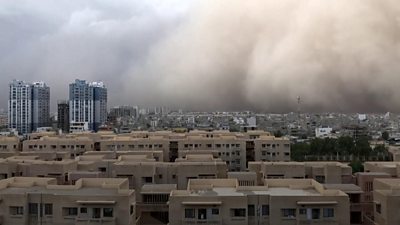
<point x="236" y="149"/>
<point x="356" y="206"/>
<point x="9" y="144"/>
<point x="90" y="201"/>
<point x="323" y="172"/>
<point x="31" y="166"/>
<point x="75" y="145"/>
<point x="365" y="181"/>
<point x="391" y="168"/>
<point x="386" y="201"/>
<point x="278" y="202"/>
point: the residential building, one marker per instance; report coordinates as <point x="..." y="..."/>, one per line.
<point x="40" y="105"/>
<point x="386" y="201"/>
<point x="236" y="149"/>
<point x="365" y="181"/>
<point x="277" y="202"/>
<point x="32" y="200"/>
<point x="88" y="105"/>
<point x="63" y="116"/>
<point x="323" y="172"/>
<point x="28" y="106"/>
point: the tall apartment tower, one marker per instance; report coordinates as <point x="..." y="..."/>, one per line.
<point x="87" y="105"/>
<point x="40" y="105"/>
<point x="63" y="116"/>
<point x="28" y="106"/>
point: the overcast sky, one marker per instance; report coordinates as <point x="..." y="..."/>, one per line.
<point x="209" y="55"/>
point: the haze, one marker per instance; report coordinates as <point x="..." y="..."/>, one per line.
<point x="210" y="55"/>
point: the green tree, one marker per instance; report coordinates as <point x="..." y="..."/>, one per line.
<point x="299" y="151"/>
<point x="385" y="135"/>
<point x="278" y="133"/>
<point x="357" y="166"/>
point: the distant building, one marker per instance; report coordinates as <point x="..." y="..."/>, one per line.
<point x="322" y="132"/>
<point x="121" y="112"/>
<point x="40" y="105"/>
<point x="88" y="105"/>
<point x="28" y="106"/>
<point x="3" y="120"/>
<point x="63" y="116"/>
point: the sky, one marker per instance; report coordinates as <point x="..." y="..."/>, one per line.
<point x="205" y="55"/>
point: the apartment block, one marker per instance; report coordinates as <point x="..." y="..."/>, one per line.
<point x="386" y="201"/>
<point x="236" y="149"/>
<point x="391" y="168"/>
<point x="323" y="172"/>
<point x="74" y="145"/>
<point x="9" y="144"/>
<point x="27" y="200"/>
<point x="87" y="105"/>
<point x="356" y="206"/>
<point x="278" y="202"/>
<point x="63" y="116"/>
<point x="28" y="106"/>
<point x="365" y="181"/>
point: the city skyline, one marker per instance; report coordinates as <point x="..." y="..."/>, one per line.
<point x="338" y="56"/>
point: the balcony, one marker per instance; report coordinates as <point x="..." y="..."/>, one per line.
<point x="95" y="221"/>
<point x="317" y="222"/>
<point x="202" y="222"/>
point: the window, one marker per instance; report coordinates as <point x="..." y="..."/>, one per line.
<point x="288" y="213"/>
<point x="83" y="210"/>
<point x="107" y="212"/>
<point x="70" y="211"/>
<point x="378" y="208"/>
<point x="250" y="210"/>
<point x="368" y="186"/>
<point x="202" y="214"/>
<point x="102" y="169"/>
<point x="302" y="211"/>
<point x="131" y="210"/>
<point x="238" y="212"/>
<point x="16" y="210"/>
<point x="96" y="213"/>
<point x="328" y="212"/>
<point x="215" y="211"/>
<point x="189" y="214"/>
<point x="265" y="210"/>
<point x="315" y="214"/>
<point x="147" y="179"/>
<point x="33" y="208"/>
<point x="320" y="179"/>
<point x="48" y="209"/>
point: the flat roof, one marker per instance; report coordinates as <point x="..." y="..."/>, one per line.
<point x="273" y="191"/>
<point x="84" y="191"/>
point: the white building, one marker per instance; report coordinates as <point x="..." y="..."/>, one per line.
<point x="88" y="104"/>
<point x="321" y="132"/>
<point x="28" y="106"/>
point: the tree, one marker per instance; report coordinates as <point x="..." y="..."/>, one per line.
<point x="357" y="166"/>
<point x="278" y="133"/>
<point x="385" y="135"/>
<point x="298" y="151"/>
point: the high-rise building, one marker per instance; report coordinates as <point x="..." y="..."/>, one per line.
<point x="28" y="106"/>
<point x="63" y="116"/>
<point x="88" y="105"/>
<point x="40" y="105"/>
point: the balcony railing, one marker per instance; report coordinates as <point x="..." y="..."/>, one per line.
<point x="95" y="221"/>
